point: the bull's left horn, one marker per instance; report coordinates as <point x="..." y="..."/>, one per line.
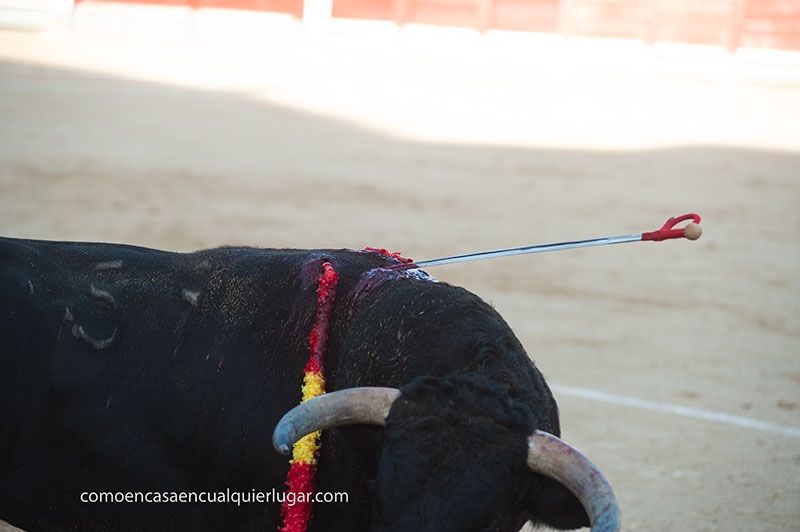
<point x="557" y="459"/>
<point x="366" y="405"/>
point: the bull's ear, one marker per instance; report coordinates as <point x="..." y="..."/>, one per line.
<point x="553" y="505"/>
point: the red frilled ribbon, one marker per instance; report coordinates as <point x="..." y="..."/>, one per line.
<point x="391" y="254"/>
<point x="318" y="339"/>
<point x="300" y="478"/>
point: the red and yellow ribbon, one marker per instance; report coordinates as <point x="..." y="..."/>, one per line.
<point x="300" y="479"/>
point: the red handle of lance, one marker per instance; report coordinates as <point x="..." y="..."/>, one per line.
<point x="691" y="231"/>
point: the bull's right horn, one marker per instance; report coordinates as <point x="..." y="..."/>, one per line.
<point x="365" y="405"/>
<point x="557" y="459"/>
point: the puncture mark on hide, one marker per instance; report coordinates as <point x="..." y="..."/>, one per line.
<point x="108" y="265"/>
<point x="190" y="296"/>
<point x="78" y="332"/>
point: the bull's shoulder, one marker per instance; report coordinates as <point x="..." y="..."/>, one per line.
<point x="53" y="258"/>
<point x="44" y="281"/>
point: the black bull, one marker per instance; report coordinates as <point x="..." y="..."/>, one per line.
<point x="125" y="369"/>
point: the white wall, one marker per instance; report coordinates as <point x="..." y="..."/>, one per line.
<point x="33" y="14"/>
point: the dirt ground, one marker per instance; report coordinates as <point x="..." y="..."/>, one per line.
<point x="293" y="142"/>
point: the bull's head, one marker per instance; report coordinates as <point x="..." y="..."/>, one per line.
<point x="452" y="463"/>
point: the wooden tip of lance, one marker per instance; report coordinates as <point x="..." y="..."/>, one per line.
<point x="692" y="231"/>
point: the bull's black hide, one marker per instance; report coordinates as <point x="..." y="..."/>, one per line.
<point x="130" y="369"/>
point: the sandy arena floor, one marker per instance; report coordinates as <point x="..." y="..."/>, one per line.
<point x="183" y="145"/>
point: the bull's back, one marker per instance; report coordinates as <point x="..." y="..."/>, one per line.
<point x="125" y="368"/>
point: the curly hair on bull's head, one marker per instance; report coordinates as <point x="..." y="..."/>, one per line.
<point x="454" y="459"/>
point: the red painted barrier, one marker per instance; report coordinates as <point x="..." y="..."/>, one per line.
<point x="293" y="7"/>
<point x="526" y="15"/>
<point x="771" y="24"/>
<point x="365" y="9"/>
<point x="728" y="23"/>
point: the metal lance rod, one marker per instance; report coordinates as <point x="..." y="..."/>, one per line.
<point x="692" y="231"/>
